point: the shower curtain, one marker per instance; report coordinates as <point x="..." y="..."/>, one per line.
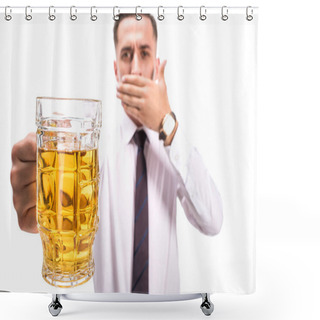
<point x="200" y="64"/>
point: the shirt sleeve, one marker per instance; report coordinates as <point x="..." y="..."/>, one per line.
<point x="197" y="191"/>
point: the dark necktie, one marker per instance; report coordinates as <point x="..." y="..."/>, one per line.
<point x="140" y="273"/>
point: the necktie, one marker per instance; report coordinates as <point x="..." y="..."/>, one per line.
<point x="140" y="273"/>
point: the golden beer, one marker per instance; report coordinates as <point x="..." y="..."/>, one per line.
<point x="68" y="133"/>
<point x="67" y="217"/>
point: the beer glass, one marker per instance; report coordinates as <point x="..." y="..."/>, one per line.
<point x="67" y="187"/>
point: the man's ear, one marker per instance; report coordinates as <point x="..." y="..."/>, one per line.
<point x="116" y="70"/>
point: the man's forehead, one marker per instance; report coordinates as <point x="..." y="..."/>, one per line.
<point x="133" y="31"/>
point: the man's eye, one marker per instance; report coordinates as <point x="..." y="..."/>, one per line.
<point x="126" y="55"/>
<point x="144" y="54"/>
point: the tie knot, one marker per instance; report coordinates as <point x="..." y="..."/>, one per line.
<point x="140" y="138"/>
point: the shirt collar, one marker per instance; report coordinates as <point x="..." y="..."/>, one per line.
<point x="128" y="129"/>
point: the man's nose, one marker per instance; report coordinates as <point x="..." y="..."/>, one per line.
<point x="135" y="66"/>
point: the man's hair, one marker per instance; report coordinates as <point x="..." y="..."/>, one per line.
<point x="122" y="16"/>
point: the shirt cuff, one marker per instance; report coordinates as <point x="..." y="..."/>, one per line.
<point x="179" y="153"/>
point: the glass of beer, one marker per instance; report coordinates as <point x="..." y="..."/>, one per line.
<point x="67" y="187"/>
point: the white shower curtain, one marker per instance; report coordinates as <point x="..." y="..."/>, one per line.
<point x="211" y="84"/>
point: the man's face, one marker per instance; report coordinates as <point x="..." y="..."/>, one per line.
<point x="136" y="49"/>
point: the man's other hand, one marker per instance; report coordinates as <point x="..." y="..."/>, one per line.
<point x="23" y="181"/>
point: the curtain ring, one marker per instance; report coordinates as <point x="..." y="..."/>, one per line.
<point x="7" y="16"/>
<point x="249" y="16"/>
<point x="52" y="16"/>
<point x="180" y="15"/>
<point x="93" y="17"/>
<point x="203" y="15"/>
<point x="160" y="16"/>
<point x="116" y="17"/>
<point x="138" y="16"/>
<point x="28" y="16"/>
<point x="73" y="16"/>
<point x="224" y="13"/>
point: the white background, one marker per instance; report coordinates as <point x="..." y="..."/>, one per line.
<point x="288" y="240"/>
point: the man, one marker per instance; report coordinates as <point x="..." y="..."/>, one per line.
<point x="136" y="246"/>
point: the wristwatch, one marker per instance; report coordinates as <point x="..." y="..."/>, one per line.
<point x="167" y="125"/>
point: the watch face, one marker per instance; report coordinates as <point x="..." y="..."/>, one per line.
<point x="169" y="125"/>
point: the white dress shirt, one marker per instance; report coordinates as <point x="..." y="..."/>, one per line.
<point x="175" y="171"/>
